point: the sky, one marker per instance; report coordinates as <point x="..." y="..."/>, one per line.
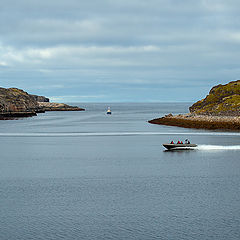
<point x="119" y="51"/>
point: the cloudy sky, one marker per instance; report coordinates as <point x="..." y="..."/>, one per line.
<point x="119" y="51"/>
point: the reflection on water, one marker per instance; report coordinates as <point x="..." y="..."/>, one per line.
<point x="180" y="150"/>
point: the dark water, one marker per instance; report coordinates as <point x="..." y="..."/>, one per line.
<point x="86" y="175"/>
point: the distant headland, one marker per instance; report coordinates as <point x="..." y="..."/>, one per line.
<point x="16" y="103"/>
<point x="220" y="109"/>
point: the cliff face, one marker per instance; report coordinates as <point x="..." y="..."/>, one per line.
<point x="222" y="100"/>
<point x="17" y="103"/>
<point x="13" y="101"/>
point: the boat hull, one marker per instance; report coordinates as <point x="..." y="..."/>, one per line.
<point x="179" y="146"/>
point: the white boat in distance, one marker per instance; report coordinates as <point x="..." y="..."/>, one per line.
<point x="109" y="111"/>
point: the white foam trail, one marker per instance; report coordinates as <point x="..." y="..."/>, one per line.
<point x="217" y="147"/>
<point x="79" y="134"/>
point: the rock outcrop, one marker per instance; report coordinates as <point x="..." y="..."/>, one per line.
<point x="200" y="122"/>
<point x="15" y="103"/>
<point x="40" y="98"/>
<point x="47" y="106"/>
<point x="219" y="110"/>
<point x="222" y="100"/>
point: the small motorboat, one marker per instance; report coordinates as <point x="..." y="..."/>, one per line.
<point x="109" y="111"/>
<point x="179" y="146"/>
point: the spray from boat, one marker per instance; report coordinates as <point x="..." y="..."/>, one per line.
<point x="217" y="147"/>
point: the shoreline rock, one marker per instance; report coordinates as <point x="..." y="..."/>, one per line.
<point x="15" y="115"/>
<point x="220" y="109"/>
<point x="16" y="103"/>
<point x="47" y="106"/>
<point x="200" y="122"/>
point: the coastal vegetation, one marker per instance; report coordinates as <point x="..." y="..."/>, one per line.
<point x="220" y="109"/>
<point x="222" y="100"/>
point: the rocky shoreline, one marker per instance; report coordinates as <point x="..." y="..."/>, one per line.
<point x="48" y="106"/>
<point x="15" y="115"/>
<point x="200" y="121"/>
<point x="220" y="109"/>
<point x="16" y="103"/>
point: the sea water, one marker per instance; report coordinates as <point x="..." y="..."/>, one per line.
<point x="89" y="175"/>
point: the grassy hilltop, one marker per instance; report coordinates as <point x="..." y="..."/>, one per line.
<point x="219" y="110"/>
<point x="222" y="100"/>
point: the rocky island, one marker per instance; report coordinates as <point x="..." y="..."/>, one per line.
<point x="16" y="103"/>
<point x="220" y="109"/>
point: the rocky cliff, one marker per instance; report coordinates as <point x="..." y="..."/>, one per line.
<point x="15" y="102"/>
<point x="222" y="100"/>
<point x="18" y="103"/>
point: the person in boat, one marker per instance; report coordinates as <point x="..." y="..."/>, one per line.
<point x="187" y="141"/>
<point x="181" y="142"/>
<point x="172" y="142"/>
<point x="178" y="142"/>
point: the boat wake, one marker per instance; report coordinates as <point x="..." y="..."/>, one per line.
<point x="217" y="147"/>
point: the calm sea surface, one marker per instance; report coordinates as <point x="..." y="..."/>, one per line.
<point x="88" y="175"/>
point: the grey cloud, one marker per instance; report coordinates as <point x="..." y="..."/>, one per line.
<point x="98" y="22"/>
<point x="76" y="44"/>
